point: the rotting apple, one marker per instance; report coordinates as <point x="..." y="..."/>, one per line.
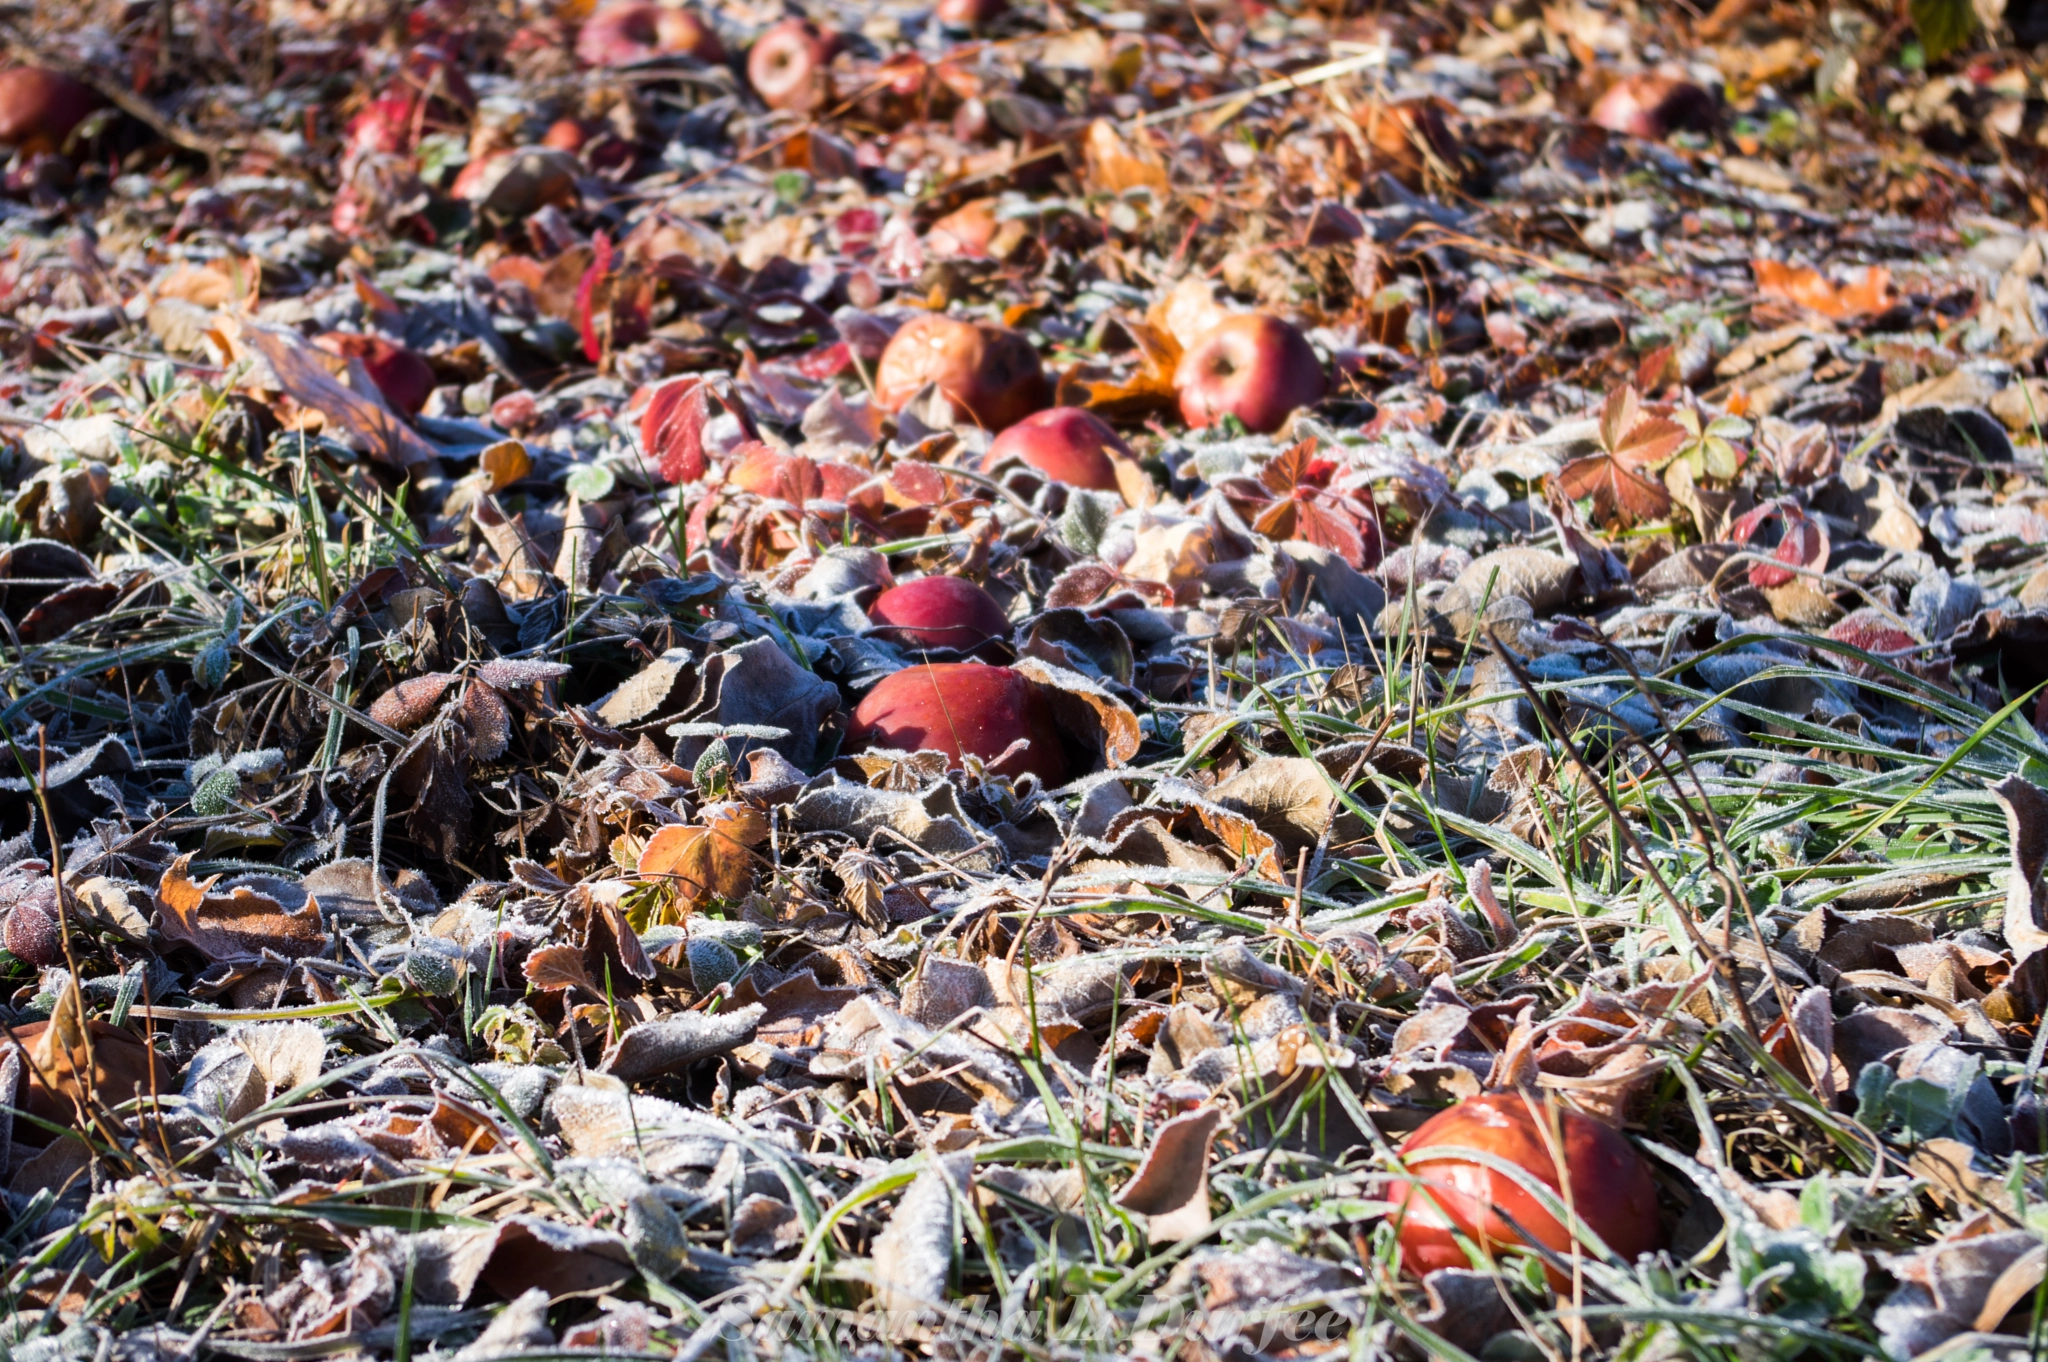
<point x="939" y="612"/>
<point x="787" y="65"/>
<point x="402" y="375"/>
<point x="39" y="107"/>
<point x="1652" y="105"/>
<point x="1067" y="444"/>
<point x="1604" y="1182"/>
<point x="620" y="34"/>
<point x="989" y="371"/>
<point x="962" y="709"/>
<point x="1255" y="367"/>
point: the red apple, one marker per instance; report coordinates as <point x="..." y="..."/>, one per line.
<point x="1652" y="106"/>
<point x="989" y="371"/>
<point x="39" y="107"/>
<point x="1611" y="1189"/>
<point x="1256" y="368"/>
<point x="969" y="13"/>
<point x="403" y="376"/>
<point x="940" y="612"/>
<point x="1066" y="444"/>
<point x="787" y="66"/>
<point x="960" y="708"/>
<point x="636" y="30"/>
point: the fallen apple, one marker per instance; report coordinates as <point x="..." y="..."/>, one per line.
<point x="939" y="612"/>
<point x="40" y="107"/>
<point x="990" y="372"/>
<point x="402" y="375"/>
<point x="1610" y="1189"/>
<point x="1066" y="444"/>
<point x="1254" y="367"/>
<point x="963" y="709"/>
<point x="1652" y="106"/>
<point x="621" y="34"/>
<point x="787" y="66"/>
<point x="969" y="13"/>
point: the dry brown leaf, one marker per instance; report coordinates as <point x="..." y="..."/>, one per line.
<point x="1171" y="1188"/>
<point x="1116" y="165"/>
<point x="62" y="1082"/>
<point x="238" y="925"/>
<point x="553" y="968"/>
<point x="358" y="413"/>
<point x="505" y="463"/>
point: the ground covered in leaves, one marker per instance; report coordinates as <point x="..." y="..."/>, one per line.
<point x="464" y="894"/>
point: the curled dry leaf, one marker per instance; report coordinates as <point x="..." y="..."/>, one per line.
<point x="1171" y="1188"/>
<point x="2026" y="822"/>
<point x="238" y="924"/>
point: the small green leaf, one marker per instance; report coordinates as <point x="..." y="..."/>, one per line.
<point x="1943" y="25"/>
<point x="216" y="795"/>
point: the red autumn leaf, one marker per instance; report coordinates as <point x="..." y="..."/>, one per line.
<point x="672" y="427"/>
<point x="827" y="361"/>
<point x="1630" y="443"/>
<point x="1307" y="519"/>
<point x="1803" y="543"/>
<point x="919" y="482"/>
<point x="1296" y="468"/>
<point x="1635" y="439"/>
<point x="586" y="297"/>
<point x="1620" y="496"/>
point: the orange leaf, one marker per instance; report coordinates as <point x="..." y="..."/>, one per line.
<point x="1115" y="165"/>
<point x="61" y="1077"/>
<point x="1811" y="290"/>
<point x="714" y="861"/>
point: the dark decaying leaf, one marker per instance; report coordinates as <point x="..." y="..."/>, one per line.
<point x="673" y="1043"/>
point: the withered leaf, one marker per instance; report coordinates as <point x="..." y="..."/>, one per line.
<point x="552" y="968"/>
<point x="2026" y="823"/>
<point x="915" y="1249"/>
<point x="671" y="1043"/>
<point x="236" y="925"/>
<point x="411" y="702"/>
<point x="1171" y="1188"/>
<point x="715" y="861"/>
